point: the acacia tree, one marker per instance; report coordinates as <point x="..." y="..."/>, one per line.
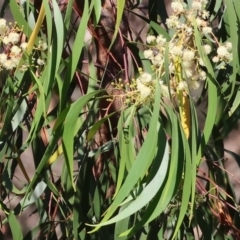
<point x="129" y="148"/>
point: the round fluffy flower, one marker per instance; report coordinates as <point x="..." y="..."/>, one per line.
<point x="172" y="22"/>
<point x="3" y="26"/>
<point x="215" y="59"/>
<point x="24" y="46"/>
<point x="40" y="62"/>
<point x="206" y="30"/>
<point x="6" y="40"/>
<point x="15" y="50"/>
<point x="176" y="51"/>
<point x="177" y="7"/>
<point x="3" y="22"/>
<point x="3" y="58"/>
<point x="157" y="60"/>
<point x="158" y="57"/>
<point x="15" y="60"/>
<point x="199" y="22"/>
<point x="145" y="78"/>
<point x="14" y="37"/>
<point x="150" y="39"/>
<point x="160" y="40"/>
<point x="9" y="64"/>
<point x="143" y="89"/>
<point x="205" y="14"/>
<point x="148" y="54"/>
<point x="207" y="48"/>
<point x="189" y="30"/>
<point x="188" y="72"/>
<point x="202" y="75"/>
<point x="182" y="86"/>
<point x="197" y="5"/>
<point x="228" y="46"/>
<point x="201" y="62"/>
<point x="188" y="55"/>
<point x="42" y="46"/>
<point x="222" y="51"/>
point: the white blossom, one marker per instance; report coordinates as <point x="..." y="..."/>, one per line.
<point x="24" y="45"/>
<point x="158" y="57"/>
<point x="189" y="30"/>
<point x="15" y="60"/>
<point x="188" y="55"/>
<point x="229" y="46"/>
<point x="197" y="5"/>
<point x="206" y="30"/>
<point x="15" y="50"/>
<point x="3" y="22"/>
<point x="207" y="48"/>
<point x="201" y="62"/>
<point x="143" y="89"/>
<point x="182" y="86"/>
<point x="9" y="64"/>
<point x="172" y="22"/>
<point x="188" y="72"/>
<point x="6" y="40"/>
<point x="215" y="59"/>
<point x="160" y="40"/>
<point x="148" y="53"/>
<point x="202" y="75"/>
<point x="145" y="78"/>
<point x="40" y="62"/>
<point x="199" y="21"/>
<point x="205" y="14"/>
<point x="150" y="39"/>
<point x="176" y="51"/>
<point x="42" y="46"/>
<point x="177" y="7"/>
<point x="222" y="51"/>
<point x="14" y="37"/>
<point x="3" y="26"/>
<point x="157" y="60"/>
<point x="3" y="58"/>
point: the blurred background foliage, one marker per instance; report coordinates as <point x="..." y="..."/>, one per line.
<point x="103" y="167"/>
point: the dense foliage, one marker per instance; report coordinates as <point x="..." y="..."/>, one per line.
<point x="110" y="117"/>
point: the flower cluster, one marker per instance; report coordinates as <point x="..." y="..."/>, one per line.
<point x="144" y="85"/>
<point x="187" y="70"/>
<point x="14" y="46"/>
<point x="140" y="91"/>
<point x="224" y="53"/>
<point x="186" y="66"/>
